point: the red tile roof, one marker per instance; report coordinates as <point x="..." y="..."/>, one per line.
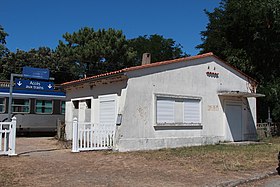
<point x="151" y="65"/>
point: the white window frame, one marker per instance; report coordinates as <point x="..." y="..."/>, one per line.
<point x="179" y="118"/>
<point x="16" y="105"/>
<point x="43" y="106"/>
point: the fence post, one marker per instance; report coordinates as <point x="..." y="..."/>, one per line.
<point x="12" y="137"/>
<point x="75" y="138"/>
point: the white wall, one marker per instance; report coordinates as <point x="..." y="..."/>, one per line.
<point x="136" y="102"/>
<point x="186" y="79"/>
<point x="83" y="92"/>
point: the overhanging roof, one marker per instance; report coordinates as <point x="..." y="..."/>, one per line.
<point x="239" y="94"/>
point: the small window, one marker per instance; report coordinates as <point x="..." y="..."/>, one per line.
<point x="62" y="107"/>
<point x="20" y="106"/>
<point x="76" y="104"/>
<point x="44" y="106"/>
<point x="2" y="105"/>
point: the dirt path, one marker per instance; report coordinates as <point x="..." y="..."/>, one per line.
<point x="44" y="162"/>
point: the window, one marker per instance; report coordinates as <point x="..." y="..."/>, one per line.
<point x="62" y="107"/>
<point x="177" y="110"/>
<point x="165" y="110"/>
<point x="44" y="106"/>
<point x="192" y="111"/>
<point x="20" y="106"/>
<point x="2" y="105"/>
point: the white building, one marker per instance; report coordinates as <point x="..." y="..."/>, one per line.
<point x="183" y="102"/>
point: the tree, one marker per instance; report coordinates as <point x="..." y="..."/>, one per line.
<point x="3" y="35"/>
<point x="3" y="49"/>
<point x="94" y="52"/>
<point x="247" y="35"/>
<point x="160" y="48"/>
<point x="43" y="57"/>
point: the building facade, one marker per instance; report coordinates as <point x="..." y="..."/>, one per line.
<point x="183" y="102"/>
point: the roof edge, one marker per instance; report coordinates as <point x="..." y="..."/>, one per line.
<point x="133" y="68"/>
<point x="236" y="69"/>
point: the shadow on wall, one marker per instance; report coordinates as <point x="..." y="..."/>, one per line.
<point x="239" y="129"/>
<point x="251" y="133"/>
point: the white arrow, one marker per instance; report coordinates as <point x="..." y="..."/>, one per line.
<point x="19" y="83"/>
<point x="49" y="86"/>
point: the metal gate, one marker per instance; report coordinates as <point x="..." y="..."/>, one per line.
<point x="89" y="136"/>
<point x="8" y="137"/>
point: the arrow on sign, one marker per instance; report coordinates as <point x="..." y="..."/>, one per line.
<point x="19" y="83"/>
<point x="49" y="86"/>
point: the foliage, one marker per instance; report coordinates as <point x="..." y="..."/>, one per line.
<point x="160" y="48"/>
<point x="95" y="52"/>
<point x="3" y="35"/>
<point x="43" y="57"/>
<point x="88" y="52"/>
<point x="247" y="35"/>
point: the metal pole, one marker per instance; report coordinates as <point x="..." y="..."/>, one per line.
<point x="10" y="97"/>
<point x="11" y="94"/>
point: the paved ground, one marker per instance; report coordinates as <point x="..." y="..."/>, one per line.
<point x="45" y="162"/>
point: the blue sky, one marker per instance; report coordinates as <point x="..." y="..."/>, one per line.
<point x="34" y="23"/>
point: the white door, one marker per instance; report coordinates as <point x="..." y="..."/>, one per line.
<point x="234" y="122"/>
<point x="107" y="110"/>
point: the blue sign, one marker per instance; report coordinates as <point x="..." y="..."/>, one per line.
<point x="36" y="73"/>
<point x="34" y="84"/>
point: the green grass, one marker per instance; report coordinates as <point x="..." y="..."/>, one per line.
<point x="222" y="157"/>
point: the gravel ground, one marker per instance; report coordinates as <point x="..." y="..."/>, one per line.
<point x="46" y="162"/>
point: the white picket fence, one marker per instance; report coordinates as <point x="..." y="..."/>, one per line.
<point x="89" y="136"/>
<point x="8" y="137"/>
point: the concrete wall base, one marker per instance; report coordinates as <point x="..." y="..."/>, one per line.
<point x="134" y="144"/>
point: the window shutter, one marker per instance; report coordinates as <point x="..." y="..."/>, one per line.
<point x="165" y="110"/>
<point x="192" y="111"/>
<point x="107" y="109"/>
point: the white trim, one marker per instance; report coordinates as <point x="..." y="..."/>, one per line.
<point x="81" y="98"/>
<point x="177" y="96"/>
<point x="32" y="95"/>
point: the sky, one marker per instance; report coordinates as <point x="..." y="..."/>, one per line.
<point x="33" y="23"/>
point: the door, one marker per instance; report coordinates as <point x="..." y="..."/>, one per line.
<point x="234" y="126"/>
<point x="107" y="110"/>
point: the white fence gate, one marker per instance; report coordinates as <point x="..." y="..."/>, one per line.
<point x="8" y="137"/>
<point x="89" y="136"/>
